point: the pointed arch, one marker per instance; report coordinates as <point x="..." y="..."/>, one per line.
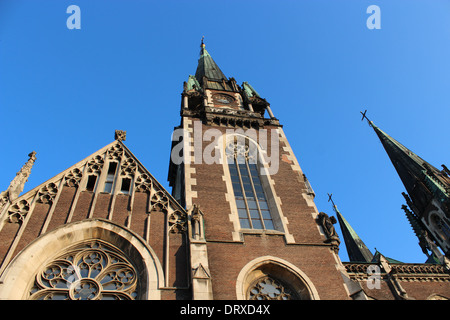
<point x="245" y="198"/>
<point x="21" y="272"/>
<point x="276" y="270"/>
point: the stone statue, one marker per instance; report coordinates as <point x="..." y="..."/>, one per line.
<point x="327" y="224"/>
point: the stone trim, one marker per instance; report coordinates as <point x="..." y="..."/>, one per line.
<point x="22" y="269"/>
<point x="243" y="280"/>
<point x="403" y="271"/>
<point x="268" y="183"/>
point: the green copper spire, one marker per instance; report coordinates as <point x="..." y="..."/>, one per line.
<point x="356" y="249"/>
<point x="428" y="192"/>
<point x="422" y="181"/>
<point x="207" y="67"/>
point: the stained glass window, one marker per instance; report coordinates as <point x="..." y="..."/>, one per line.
<point x="89" y="271"/>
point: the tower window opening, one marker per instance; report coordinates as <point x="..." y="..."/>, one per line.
<point x="126" y="183"/>
<point x="110" y="177"/>
<point x="251" y="202"/>
<point x="91" y="183"/>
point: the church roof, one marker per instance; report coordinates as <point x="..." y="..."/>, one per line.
<point x="249" y="90"/>
<point x="377" y="257"/>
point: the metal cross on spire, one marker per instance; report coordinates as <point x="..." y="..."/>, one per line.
<point x="331" y="199"/>
<point x="365" y="117"/>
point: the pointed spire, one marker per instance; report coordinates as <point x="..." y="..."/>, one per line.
<point x="421" y="180"/>
<point x="356" y="249"/>
<point x="17" y="184"/>
<point x="207" y="67"/>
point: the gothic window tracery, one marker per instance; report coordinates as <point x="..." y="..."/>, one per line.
<point x="88" y="271"/>
<point x="269" y="288"/>
<point x="250" y="197"/>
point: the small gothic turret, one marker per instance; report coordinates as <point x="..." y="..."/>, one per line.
<point x="356" y="249"/>
<point x="18" y="183"/>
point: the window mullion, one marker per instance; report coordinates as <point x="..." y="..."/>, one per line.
<point x="243" y="191"/>
<point x="254" y="193"/>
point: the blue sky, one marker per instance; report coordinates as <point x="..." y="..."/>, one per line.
<point x="64" y="92"/>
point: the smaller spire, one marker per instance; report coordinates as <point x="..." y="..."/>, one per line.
<point x="207" y="67"/>
<point x="17" y="184"/>
<point x="203" y="47"/>
<point x="356" y="249"/>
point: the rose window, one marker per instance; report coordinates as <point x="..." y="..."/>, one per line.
<point x="268" y="288"/>
<point x="90" y="271"/>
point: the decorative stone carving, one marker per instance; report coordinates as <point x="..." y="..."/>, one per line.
<point x="196" y="222"/>
<point x="128" y="167"/>
<point x="159" y="200"/>
<point x="177" y="222"/>
<point x="73" y="178"/>
<point x="120" y="135"/>
<point x="143" y="183"/>
<point x="268" y="288"/>
<point x="17" y="184"/>
<point x="3" y="199"/>
<point x="327" y="223"/>
<point x="47" y="193"/>
<point x="95" y="165"/>
<point x="241" y="150"/>
<point x="115" y="152"/>
<point x="90" y="271"/>
<point x="18" y="211"/>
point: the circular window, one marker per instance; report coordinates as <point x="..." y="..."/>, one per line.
<point x="268" y="288"/>
<point x="89" y="271"/>
<point x="223" y="99"/>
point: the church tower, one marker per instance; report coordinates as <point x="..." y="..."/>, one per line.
<point x="427" y="196"/>
<point x="256" y="232"/>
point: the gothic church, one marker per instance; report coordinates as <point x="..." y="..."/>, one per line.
<point x="239" y="224"/>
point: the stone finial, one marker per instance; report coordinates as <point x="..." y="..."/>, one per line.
<point x="120" y="135"/>
<point x="17" y="184"/>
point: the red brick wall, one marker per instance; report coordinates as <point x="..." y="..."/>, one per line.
<point x="421" y="290"/>
<point x="226" y="259"/>
<point x="177" y="252"/>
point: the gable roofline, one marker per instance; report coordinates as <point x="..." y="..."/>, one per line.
<point x="31" y="193"/>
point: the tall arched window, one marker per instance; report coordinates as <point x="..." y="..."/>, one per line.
<point x="250" y="197"/>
